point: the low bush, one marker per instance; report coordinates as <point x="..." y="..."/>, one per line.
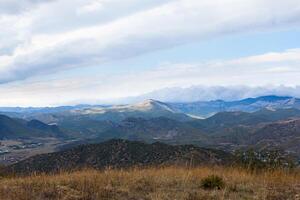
<point x="212" y="182"/>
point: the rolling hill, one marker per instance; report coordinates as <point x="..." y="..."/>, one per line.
<point x="221" y="120"/>
<point x="11" y="128"/>
<point x="155" y="129"/>
<point x="120" y="154"/>
<point x="283" y="135"/>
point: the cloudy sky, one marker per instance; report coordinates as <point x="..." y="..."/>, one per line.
<point x="56" y="52"/>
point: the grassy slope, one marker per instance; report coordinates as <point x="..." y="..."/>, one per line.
<point x="164" y="183"/>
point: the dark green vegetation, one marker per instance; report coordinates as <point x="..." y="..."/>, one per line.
<point x="121" y="154"/>
<point x="212" y="182"/>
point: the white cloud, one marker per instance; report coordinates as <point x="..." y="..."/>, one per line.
<point x="262" y="74"/>
<point x="207" y="93"/>
<point x="122" y="29"/>
<point x="93" y="6"/>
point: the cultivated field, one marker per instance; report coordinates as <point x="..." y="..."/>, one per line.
<point x="164" y="183"/>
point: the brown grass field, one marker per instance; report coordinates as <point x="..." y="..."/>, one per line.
<point x="168" y="183"/>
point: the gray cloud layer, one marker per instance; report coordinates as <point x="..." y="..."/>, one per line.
<point x="261" y="74"/>
<point x="17" y="6"/>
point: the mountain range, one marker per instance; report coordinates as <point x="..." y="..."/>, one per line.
<point x="268" y="122"/>
<point x="153" y="108"/>
<point x="209" y="108"/>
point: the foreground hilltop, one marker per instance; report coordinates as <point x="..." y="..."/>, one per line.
<point x="166" y="183"/>
<point x="121" y="154"/>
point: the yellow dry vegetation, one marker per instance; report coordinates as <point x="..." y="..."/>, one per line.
<point x="169" y="183"/>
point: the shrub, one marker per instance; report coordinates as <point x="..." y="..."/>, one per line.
<point x="212" y="182"/>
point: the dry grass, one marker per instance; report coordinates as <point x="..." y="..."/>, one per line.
<point x="165" y="183"/>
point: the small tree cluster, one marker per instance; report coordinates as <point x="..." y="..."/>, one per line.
<point x="267" y="159"/>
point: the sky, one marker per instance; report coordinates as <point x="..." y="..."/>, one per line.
<point x="66" y="52"/>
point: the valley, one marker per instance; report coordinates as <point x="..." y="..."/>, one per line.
<point x="13" y="151"/>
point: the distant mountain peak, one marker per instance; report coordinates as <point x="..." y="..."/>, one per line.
<point x="148" y="102"/>
<point x="151" y="104"/>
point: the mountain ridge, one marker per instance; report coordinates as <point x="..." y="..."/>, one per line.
<point x="209" y="108"/>
<point x="120" y="154"/>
